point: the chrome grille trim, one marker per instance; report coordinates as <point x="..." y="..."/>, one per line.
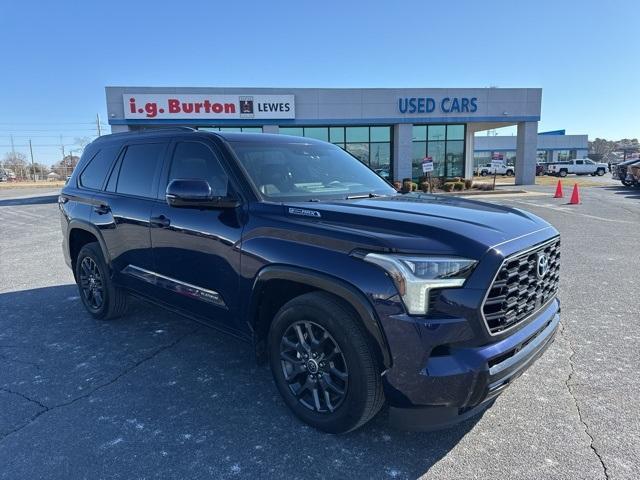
<point x="516" y="293"/>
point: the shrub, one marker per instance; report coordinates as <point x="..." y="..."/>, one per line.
<point x="397" y="185"/>
<point x="424" y="186"/>
<point x="447" y="186"/>
<point x="483" y="186"/>
<point x="468" y="183"/>
<point x="436" y="183"/>
<point x="458" y="186"/>
<point x="414" y="186"/>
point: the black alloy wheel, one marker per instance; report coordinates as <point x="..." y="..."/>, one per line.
<point x="324" y="364"/>
<point x="314" y="367"/>
<point x="91" y="283"/>
<point x="102" y="299"/>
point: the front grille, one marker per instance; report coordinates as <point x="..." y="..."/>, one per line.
<point x="517" y="292"/>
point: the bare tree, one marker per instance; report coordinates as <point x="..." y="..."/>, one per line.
<point x="65" y="166"/>
<point x="82" y="142"/>
<point x="16" y="162"/>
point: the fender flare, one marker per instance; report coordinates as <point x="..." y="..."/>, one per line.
<point x="336" y="286"/>
<point x="92" y="229"/>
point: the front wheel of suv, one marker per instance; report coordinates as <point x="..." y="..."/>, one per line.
<point x="102" y="299"/>
<point x="323" y="364"/>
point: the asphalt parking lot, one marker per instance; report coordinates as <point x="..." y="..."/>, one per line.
<point x="153" y="395"/>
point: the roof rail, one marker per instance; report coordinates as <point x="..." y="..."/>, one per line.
<point x="148" y="131"/>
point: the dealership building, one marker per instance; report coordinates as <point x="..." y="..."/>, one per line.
<point x="553" y="146"/>
<point x="390" y="129"/>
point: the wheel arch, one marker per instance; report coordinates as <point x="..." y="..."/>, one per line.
<point x="81" y="233"/>
<point x="297" y="281"/>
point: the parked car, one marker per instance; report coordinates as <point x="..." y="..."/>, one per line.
<point x="354" y="294"/>
<point x="633" y="174"/>
<point x="488" y="169"/>
<point x="620" y="171"/>
<point x="579" y="166"/>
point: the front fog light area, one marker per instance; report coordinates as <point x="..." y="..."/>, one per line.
<point x="414" y="275"/>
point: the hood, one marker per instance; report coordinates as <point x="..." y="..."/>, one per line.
<point x="423" y="223"/>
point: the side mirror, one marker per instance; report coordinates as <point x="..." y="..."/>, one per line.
<point x="190" y="193"/>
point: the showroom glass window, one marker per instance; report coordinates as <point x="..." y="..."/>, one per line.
<point x="370" y="145"/>
<point x="481" y="158"/>
<point x="232" y="129"/>
<point x="541" y="156"/>
<point x="444" y="143"/>
<point x="566" y="155"/>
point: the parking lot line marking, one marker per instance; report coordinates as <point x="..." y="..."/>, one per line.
<point x="571" y="211"/>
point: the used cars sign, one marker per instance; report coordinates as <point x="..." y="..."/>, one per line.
<point x="176" y="106"/>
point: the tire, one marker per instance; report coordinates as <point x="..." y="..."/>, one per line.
<point x="509" y="173"/>
<point x="600" y="172"/>
<point x="112" y="301"/>
<point x="626" y="183"/>
<point x="562" y="173"/>
<point x="483" y="173"/>
<point x="361" y="388"/>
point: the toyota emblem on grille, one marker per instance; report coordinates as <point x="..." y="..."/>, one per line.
<point x="542" y="265"/>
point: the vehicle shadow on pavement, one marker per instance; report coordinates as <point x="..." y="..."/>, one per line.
<point x="156" y="395"/>
<point x="629" y="192"/>
<point x="12" y="202"/>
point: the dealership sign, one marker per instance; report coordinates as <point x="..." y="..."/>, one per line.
<point x="442" y="105"/>
<point x="178" y="106"/>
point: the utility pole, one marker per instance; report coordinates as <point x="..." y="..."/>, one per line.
<point x="13" y="148"/>
<point x="62" y="147"/>
<point x="98" y="123"/>
<point x="33" y="169"/>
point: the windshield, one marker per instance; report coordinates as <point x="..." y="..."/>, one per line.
<point x="307" y="171"/>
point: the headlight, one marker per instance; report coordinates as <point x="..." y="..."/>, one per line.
<point x="414" y="276"/>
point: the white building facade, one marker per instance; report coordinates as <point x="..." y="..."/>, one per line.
<point x="390" y="129"/>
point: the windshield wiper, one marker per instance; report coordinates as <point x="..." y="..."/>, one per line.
<point x="364" y="195"/>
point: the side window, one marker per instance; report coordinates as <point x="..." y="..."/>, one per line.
<point x="138" y="168"/>
<point x="96" y="170"/>
<point x="579" y="162"/>
<point x="196" y="161"/>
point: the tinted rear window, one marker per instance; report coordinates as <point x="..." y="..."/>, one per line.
<point x="96" y="170"/>
<point x="138" y="169"/>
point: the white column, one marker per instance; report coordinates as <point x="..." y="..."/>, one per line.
<point x="468" y="153"/>
<point x="527" y="145"/>
<point x="402" y="151"/>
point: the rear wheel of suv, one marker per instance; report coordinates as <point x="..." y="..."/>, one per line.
<point x="600" y="172"/>
<point x="509" y="173"/>
<point x="563" y="173"/>
<point x="102" y="299"/>
<point x="323" y="365"/>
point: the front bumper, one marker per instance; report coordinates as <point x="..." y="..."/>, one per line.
<point x="452" y="384"/>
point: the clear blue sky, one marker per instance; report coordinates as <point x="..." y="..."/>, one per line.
<point x="58" y="56"/>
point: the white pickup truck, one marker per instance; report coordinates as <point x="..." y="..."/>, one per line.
<point x="489" y="169"/>
<point x="579" y="166"/>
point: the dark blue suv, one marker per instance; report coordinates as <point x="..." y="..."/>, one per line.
<point x="356" y="295"/>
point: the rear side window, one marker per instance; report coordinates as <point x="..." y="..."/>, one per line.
<point x="195" y="160"/>
<point x="138" y="169"/>
<point x="96" y="170"/>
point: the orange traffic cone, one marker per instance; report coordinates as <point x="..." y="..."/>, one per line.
<point x="559" y="193"/>
<point x="575" y="195"/>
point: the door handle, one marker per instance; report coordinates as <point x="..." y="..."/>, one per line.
<point x="160" y="221"/>
<point x="102" y="209"/>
